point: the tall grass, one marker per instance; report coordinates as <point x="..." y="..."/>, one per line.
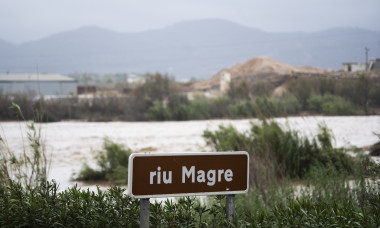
<point x="30" y="167"/>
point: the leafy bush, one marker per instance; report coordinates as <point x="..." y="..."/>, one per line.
<point x="243" y="109"/>
<point x="113" y="164"/>
<point x="159" y="112"/>
<point x="181" y="112"/>
<point x="312" y="213"/>
<point x="290" y="105"/>
<point x="200" y="109"/>
<point x="219" y="107"/>
<point x="277" y="154"/>
<point x="266" y="107"/>
<point x="330" y="105"/>
<point x="302" y="90"/>
<point x="332" y="205"/>
<point x="374" y="94"/>
<point x="46" y="207"/>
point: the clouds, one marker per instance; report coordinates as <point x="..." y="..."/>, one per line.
<point x="26" y="20"/>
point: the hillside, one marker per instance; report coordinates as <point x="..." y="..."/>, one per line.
<point x="190" y="49"/>
<point x="257" y="69"/>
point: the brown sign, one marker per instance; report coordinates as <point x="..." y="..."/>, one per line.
<point x="179" y="174"/>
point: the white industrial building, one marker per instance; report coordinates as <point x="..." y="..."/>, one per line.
<point x="44" y="84"/>
<point x="354" y="67"/>
<point x="374" y="64"/>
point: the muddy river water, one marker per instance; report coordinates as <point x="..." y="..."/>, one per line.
<point x="71" y="143"/>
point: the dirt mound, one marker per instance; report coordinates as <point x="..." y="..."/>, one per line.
<point x="260" y="68"/>
<point x="267" y="65"/>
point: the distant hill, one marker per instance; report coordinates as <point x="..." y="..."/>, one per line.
<point x="257" y="70"/>
<point x="188" y="49"/>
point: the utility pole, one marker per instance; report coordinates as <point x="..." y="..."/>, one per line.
<point x="366" y="58"/>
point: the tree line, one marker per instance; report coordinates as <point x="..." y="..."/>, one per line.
<point x="161" y="98"/>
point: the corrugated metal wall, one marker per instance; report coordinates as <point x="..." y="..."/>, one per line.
<point x="45" y="88"/>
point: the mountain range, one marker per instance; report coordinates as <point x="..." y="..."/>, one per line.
<point x="189" y="49"/>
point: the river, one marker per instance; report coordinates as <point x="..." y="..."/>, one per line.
<point x="71" y="143"/>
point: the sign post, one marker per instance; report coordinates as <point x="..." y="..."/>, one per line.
<point x="230" y="207"/>
<point x="187" y="174"/>
<point x="144" y="213"/>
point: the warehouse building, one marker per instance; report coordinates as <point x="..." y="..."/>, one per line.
<point x="44" y="84"/>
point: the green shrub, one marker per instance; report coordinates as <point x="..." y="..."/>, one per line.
<point x="330" y="105"/>
<point x="46" y="207"/>
<point x="266" y="107"/>
<point x="302" y="89"/>
<point x="219" y="107"/>
<point x="228" y="139"/>
<point x="159" y="112"/>
<point x="315" y="103"/>
<point x="181" y="112"/>
<point x="89" y="174"/>
<point x="112" y="162"/>
<point x="242" y="109"/>
<point x="333" y="205"/>
<point x="277" y="154"/>
<point x="374" y="94"/>
<point x="290" y="105"/>
<point x="200" y="109"/>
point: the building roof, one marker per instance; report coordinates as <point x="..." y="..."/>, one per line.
<point x="34" y="77"/>
<point x="350" y="63"/>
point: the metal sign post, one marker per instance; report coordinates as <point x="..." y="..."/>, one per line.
<point x="144" y="212"/>
<point x="230" y="207"/>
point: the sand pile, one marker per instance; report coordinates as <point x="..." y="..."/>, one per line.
<point x="268" y="65"/>
<point x="257" y="67"/>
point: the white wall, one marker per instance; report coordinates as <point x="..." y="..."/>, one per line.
<point x="355" y="67"/>
<point x="46" y="88"/>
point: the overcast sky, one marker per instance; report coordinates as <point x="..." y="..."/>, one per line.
<point x="25" y="20"/>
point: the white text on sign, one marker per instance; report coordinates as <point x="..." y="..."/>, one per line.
<point x="191" y="174"/>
